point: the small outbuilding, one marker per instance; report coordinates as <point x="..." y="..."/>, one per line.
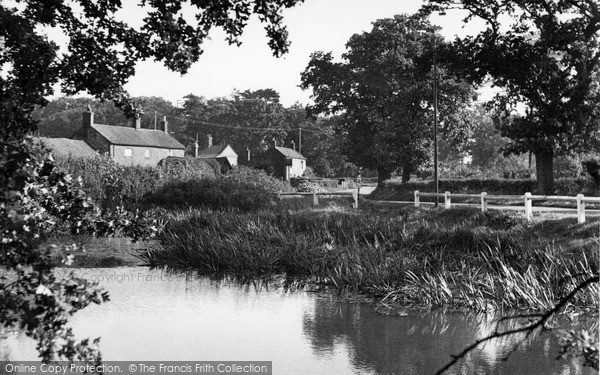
<point x="224" y="154"/>
<point x="284" y="162"/>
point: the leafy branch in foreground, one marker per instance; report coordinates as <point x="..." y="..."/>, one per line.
<point x="102" y="51"/>
<point x="531" y="328"/>
<point x="37" y="201"/>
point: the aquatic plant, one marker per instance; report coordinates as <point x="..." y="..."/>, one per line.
<point x="470" y="259"/>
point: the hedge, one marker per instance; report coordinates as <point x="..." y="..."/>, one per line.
<point x="396" y="190"/>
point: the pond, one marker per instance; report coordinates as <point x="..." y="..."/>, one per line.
<point x="154" y="315"/>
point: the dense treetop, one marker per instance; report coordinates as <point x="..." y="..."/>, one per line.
<point x="382" y="88"/>
<point x="546" y="55"/>
<point x="102" y="51"/>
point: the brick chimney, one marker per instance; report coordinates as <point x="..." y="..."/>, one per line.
<point x="137" y="123"/>
<point x="87" y="118"/>
<point x="164" y="125"/>
<point x="209" y="141"/>
<point x="293" y="145"/>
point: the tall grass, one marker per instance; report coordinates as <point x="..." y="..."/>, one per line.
<point x="469" y="259"/>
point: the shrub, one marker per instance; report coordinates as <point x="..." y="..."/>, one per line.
<point x="257" y="178"/>
<point x="305" y="186"/>
<point x="592" y="167"/>
<point x="308" y="172"/>
<point x="111" y="185"/>
<point x="189" y="168"/>
<point x="215" y="194"/>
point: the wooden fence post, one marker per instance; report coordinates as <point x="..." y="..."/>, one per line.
<point x="483" y="202"/>
<point x="355" y="198"/>
<point x="580" y="209"/>
<point x="528" y="207"/>
<point x="315" y="199"/>
<point x="447" y="202"/>
<point x="417" y="202"/>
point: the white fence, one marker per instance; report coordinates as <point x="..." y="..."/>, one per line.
<point x="527" y="199"/>
<point x="315" y="195"/>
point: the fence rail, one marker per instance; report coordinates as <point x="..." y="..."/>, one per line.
<point x="527" y="199"/>
<point x="352" y="193"/>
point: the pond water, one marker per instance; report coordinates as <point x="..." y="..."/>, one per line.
<point x="154" y="315"/>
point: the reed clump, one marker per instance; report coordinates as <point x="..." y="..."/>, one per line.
<point x="432" y="258"/>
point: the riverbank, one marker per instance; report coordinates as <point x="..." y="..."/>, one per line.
<point x="458" y="258"/>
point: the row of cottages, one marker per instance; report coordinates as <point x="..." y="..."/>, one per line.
<point x="129" y="145"/>
<point x="284" y="163"/>
<point x="138" y="146"/>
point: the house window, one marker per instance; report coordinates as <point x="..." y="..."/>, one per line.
<point x="147" y="154"/>
<point x="128" y="152"/>
<point x="302" y="163"/>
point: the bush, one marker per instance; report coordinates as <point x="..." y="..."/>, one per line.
<point x="111" y="185"/>
<point x="308" y="172"/>
<point x="592" y="167"/>
<point x="306" y="186"/>
<point x="174" y="182"/>
<point x="257" y="178"/>
<point x="303" y="183"/>
<point x="214" y="194"/>
<point x="189" y="168"/>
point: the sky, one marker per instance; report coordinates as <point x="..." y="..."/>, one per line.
<point x="315" y="25"/>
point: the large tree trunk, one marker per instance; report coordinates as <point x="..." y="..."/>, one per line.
<point x="382" y="175"/>
<point x="544" y="170"/>
<point x="406" y="173"/>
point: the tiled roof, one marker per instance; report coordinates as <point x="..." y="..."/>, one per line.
<point x="289" y="153"/>
<point x="65" y="146"/>
<point x="122" y="135"/>
<point x="211" y="152"/>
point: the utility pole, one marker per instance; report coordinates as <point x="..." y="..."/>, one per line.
<point x="299" y="140"/>
<point x="435" y="124"/>
<point x="154" y="120"/>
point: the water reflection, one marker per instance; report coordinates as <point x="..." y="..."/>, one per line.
<point x="423" y="342"/>
<point x="156" y="315"/>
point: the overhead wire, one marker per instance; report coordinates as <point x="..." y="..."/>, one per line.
<point x="247" y="128"/>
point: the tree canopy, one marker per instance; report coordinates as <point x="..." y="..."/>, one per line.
<point x="546" y="57"/>
<point x="382" y="91"/>
<point x="255" y="121"/>
<point x="102" y="51"/>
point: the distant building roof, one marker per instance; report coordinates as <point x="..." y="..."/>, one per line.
<point x="122" y="135"/>
<point x="289" y="153"/>
<point x="66" y="147"/>
<point x="211" y="152"/>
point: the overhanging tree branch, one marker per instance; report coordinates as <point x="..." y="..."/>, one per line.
<point x="526" y="329"/>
